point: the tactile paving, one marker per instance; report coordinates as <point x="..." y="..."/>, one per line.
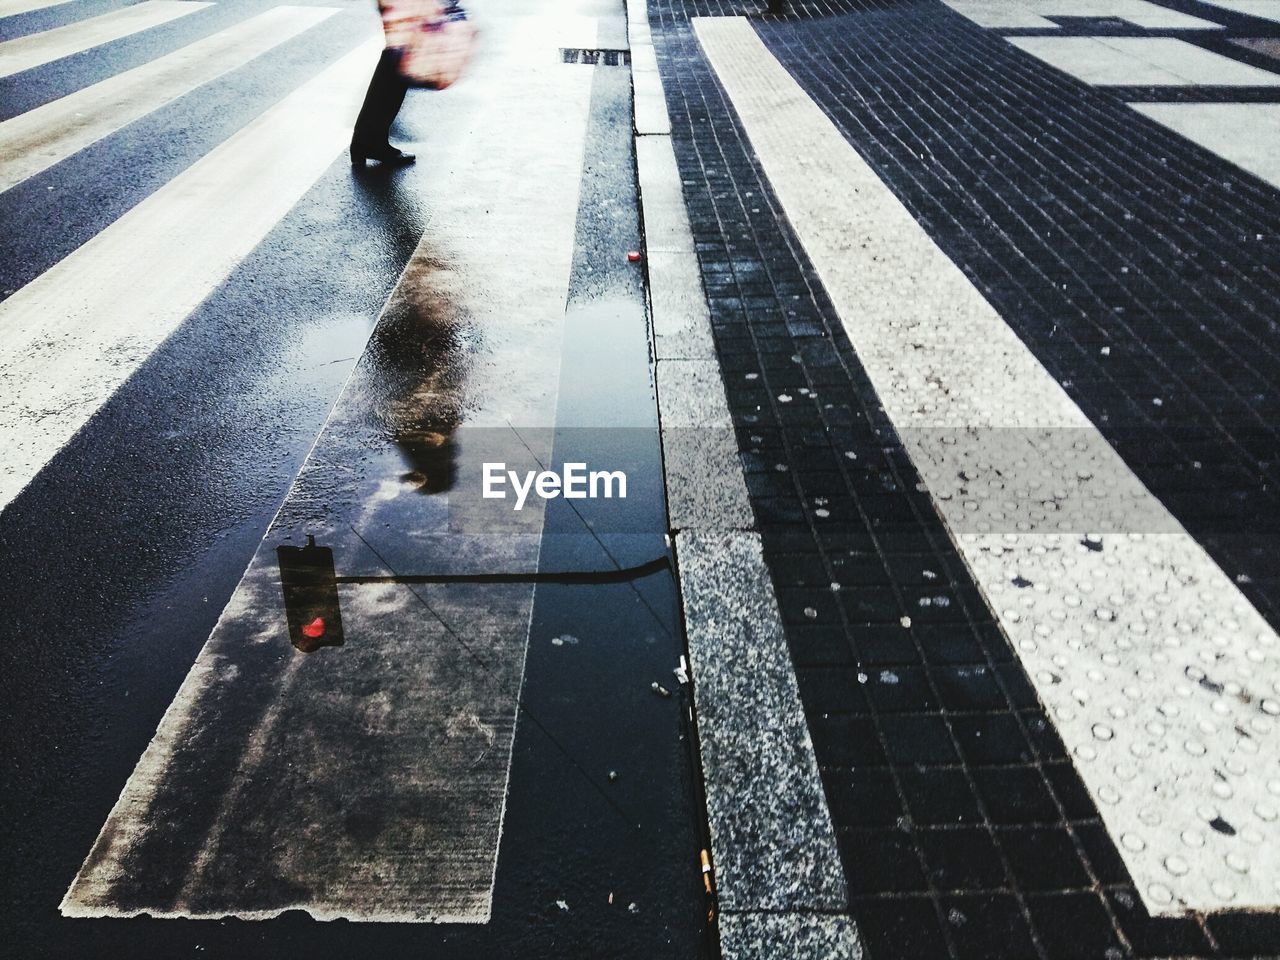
<point x="1162" y="679"/>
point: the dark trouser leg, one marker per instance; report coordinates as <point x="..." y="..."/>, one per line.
<point x="381" y="103"/>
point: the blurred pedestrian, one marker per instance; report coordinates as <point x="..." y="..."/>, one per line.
<point x="371" y="138"/>
<point x="429" y="43"/>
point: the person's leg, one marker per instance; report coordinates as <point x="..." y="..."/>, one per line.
<point x="381" y="104"/>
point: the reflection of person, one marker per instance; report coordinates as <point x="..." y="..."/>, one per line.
<point x="369" y="140"/>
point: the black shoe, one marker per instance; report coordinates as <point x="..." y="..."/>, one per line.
<point x="383" y="154"/>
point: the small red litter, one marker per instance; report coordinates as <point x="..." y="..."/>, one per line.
<point x="315" y="628"/>
<point x="633" y="256"/>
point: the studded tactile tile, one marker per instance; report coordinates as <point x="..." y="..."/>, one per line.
<point x="1116" y="631"/>
<point x="776" y="334"/>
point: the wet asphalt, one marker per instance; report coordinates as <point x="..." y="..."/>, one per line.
<point x="119" y="557"/>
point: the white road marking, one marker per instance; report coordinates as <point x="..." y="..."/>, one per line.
<point x="1016" y="14"/>
<point x="24" y="53"/>
<point x="10" y="8"/>
<point x="36" y="140"/>
<point x="1246" y="134"/>
<point x="1143" y="61"/>
<point x="1262" y="9"/>
<point x="402" y="728"/>
<point x="73" y="335"/>
<point x="1163" y="681"/>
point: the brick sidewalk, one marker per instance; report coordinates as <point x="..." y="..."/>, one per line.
<point x="1137" y="269"/>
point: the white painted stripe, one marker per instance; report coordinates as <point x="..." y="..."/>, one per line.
<point x="1143" y="61"/>
<point x="10" y="8"/>
<point x="411" y="731"/>
<point x="73" y="335"/>
<point x="24" y="53"/>
<point x="1246" y="134"/>
<point x="578" y="31"/>
<point x="36" y="140"/>
<point x="1013" y="14"/>
<point x="1263" y="9"/>
<point x="1161" y="678"/>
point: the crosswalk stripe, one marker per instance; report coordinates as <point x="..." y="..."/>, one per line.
<point x="1217" y="127"/>
<point x="1160" y="677"/>
<point x="73" y="335"/>
<point x="1036" y="13"/>
<point x="36" y="140"/>
<point x="11" y="8"/>
<point x="411" y="723"/>
<point x="24" y="53"/>
<point x="1143" y="61"/>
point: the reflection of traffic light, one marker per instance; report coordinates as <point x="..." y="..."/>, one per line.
<point x="310" y="596"/>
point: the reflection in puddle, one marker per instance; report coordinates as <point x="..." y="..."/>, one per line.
<point x="434" y="459"/>
<point x="310" y="587"/>
<point x="422" y="364"/>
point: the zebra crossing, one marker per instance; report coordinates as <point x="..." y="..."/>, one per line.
<point x="27" y="53"/>
<point x="1167" y="63"/>
<point x="11" y="8"/>
<point x="79" y="331"/>
<point x="38" y="139"/>
<point x="446" y="756"/>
